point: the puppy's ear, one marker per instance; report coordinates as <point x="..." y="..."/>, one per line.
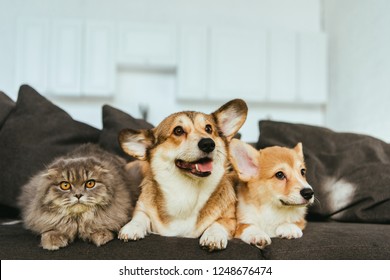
<point x="299" y="149"/>
<point x="136" y="142"/>
<point x="230" y="117"/>
<point x="245" y="159"/>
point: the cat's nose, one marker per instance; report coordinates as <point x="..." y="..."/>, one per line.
<point x="78" y="195"/>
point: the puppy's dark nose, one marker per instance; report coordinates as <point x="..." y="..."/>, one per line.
<point x="206" y="145"/>
<point x="307" y="193"/>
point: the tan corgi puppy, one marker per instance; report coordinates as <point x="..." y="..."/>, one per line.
<point x="273" y="195"/>
<point x="187" y="190"/>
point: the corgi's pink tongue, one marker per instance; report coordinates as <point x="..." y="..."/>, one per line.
<point x="204" y="167"/>
<point x="201" y="168"/>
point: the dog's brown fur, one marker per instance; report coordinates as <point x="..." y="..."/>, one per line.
<point x="273" y="195"/>
<point x="207" y="205"/>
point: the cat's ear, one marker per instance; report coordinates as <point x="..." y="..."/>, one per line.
<point x="50" y="173"/>
<point x="100" y="169"/>
<point x="136" y="142"/>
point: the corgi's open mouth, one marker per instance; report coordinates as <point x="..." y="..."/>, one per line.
<point x="286" y="203"/>
<point x="200" y="168"/>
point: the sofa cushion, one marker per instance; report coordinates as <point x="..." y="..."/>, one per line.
<point x="348" y="172"/>
<point x="35" y="133"/>
<point x="6" y="105"/>
<point x="114" y="120"/>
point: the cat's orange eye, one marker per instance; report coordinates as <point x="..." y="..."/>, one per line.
<point x="65" y="186"/>
<point x="90" y="184"/>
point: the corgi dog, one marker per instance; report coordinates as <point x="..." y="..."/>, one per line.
<point x="273" y="194"/>
<point x="187" y="190"/>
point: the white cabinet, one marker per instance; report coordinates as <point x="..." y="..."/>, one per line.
<point x="256" y="65"/>
<point x="66" y="57"/>
<point x="298" y="67"/>
<point x="193" y="72"/>
<point x="99" y="59"/>
<point x="147" y="45"/>
<point x="78" y="57"/>
<point x="312" y="70"/>
<point x="238" y="64"/>
<point x="66" y="50"/>
<point x="282" y="67"/>
<point x="216" y="63"/>
<point x="32" y="48"/>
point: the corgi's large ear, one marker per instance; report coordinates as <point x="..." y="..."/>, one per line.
<point x="245" y="159"/>
<point x="136" y="142"/>
<point x="299" y="149"/>
<point x="230" y="117"/>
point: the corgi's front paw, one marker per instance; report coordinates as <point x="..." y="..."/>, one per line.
<point x="214" y="238"/>
<point x="289" y="231"/>
<point x="132" y="231"/>
<point x="255" y="236"/>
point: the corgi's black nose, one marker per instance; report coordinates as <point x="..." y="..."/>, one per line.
<point x="307" y="193"/>
<point x="206" y="145"/>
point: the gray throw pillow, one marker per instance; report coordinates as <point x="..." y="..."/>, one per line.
<point x="34" y="133"/>
<point x="114" y="121"/>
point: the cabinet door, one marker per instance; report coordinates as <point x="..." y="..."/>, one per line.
<point x="99" y="59"/>
<point x="192" y="64"/>
<point x="282" y="67"/>
<point x="312" y="68"/>
<point x="32" y="43"/>
<point x="66" y="49"/>
<point x="142" y="44"/>
<point x="238" y="64"/>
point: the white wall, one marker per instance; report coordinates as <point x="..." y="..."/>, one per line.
<point x="359" y="54"/>
<point x="157" y="88"/>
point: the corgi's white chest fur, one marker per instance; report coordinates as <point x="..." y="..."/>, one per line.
<point x="184" y="198"/>
<point x="268" y="216"/>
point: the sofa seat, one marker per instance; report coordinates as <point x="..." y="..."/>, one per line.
<point x="321" y="240"/>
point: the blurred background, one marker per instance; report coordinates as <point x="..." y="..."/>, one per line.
<point x="320" y="62"/>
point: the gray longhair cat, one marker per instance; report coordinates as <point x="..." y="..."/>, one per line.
<point x="84" y="194"/>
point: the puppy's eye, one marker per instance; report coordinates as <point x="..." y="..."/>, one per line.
<point x="209" y="129"/>
<point x="65" y="186"/>
<point x="178" y="131"/>
<point x="303" y="172"/>
<point x="280" y="175"/>
<point x="90" y="184"/>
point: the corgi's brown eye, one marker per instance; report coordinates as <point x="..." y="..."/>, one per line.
<point x="65" y="186"/>
<point x="280" y="175"/>
<point x="90" y="184"/>
<point x="209" y="129"/>
<point x="303" y="172"/>
<point x="178" y="131"/>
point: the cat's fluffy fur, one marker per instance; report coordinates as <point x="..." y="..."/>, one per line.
<point x="90" y="213"/>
